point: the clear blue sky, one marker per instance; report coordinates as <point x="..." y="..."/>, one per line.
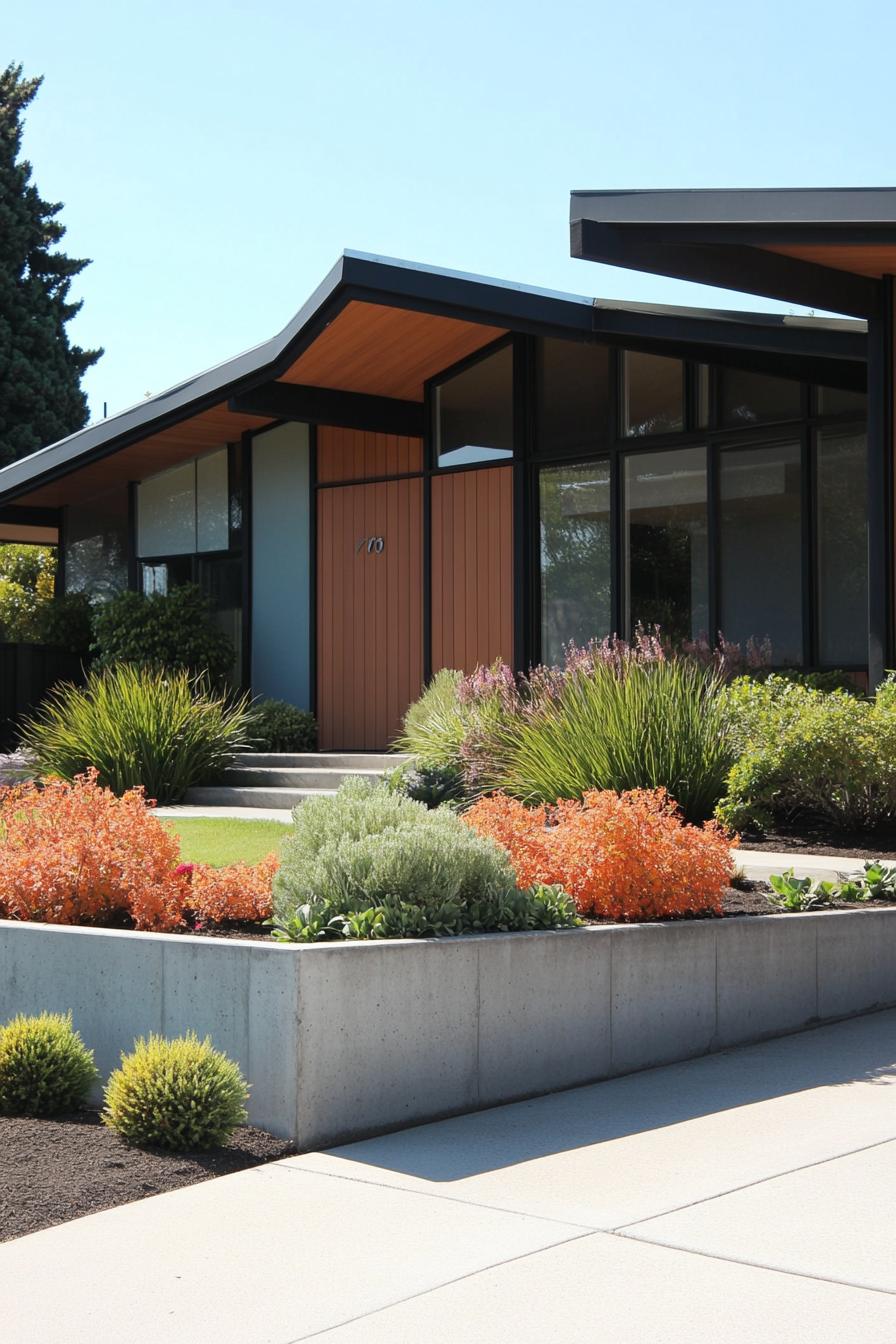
<point x="215" y="158"/>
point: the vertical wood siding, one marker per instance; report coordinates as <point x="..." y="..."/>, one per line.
<point x="369" y="611"/>
<point x="472" y="568"/>
<point x="352" y="455"/>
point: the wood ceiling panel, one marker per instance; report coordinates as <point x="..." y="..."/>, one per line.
<point x="874" y="260"/>
<point x="206" y="431"/>
<point x="387" y="352"/>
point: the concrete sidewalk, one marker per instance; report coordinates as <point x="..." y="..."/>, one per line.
<point x="744" y="1196"/>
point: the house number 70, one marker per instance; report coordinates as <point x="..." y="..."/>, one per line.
<point x="374" y="545"/>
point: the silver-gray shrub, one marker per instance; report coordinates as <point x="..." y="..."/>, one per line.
<point x="368" y="862"/>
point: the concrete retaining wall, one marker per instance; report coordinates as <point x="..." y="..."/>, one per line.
<point x="341" y="1040"/>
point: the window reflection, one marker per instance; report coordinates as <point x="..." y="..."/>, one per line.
<point x="666" y="541"/>
<point x="575" y="556"/>
<point x="760" y="507"/>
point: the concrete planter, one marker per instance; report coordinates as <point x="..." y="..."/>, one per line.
<point x="341" y="1040"/>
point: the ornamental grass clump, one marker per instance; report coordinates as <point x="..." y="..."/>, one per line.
<point x="627" y="856"/>
<point x="605" y="724"/>
<point x="435" y="726"/>
<point x="371" y="863"/>
<point x="180" y="1094"/>
<point x="164" y="730"/>
<point x="45" y="1067"/>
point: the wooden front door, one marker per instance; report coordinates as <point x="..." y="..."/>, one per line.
<point x="369" y="611"/>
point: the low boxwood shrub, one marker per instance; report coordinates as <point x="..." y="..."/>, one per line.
<point x="278" y="726"/>
<point x="45" y="1067"/>
<point x="179" y="1094"/>
<point x="370" y="863"/>
<point x="627" y="856"/>
<point x="810" y="756"/>
<point x="173" y="630"/>
<point x="433" y="785"/>
<point x="139" y="726"/>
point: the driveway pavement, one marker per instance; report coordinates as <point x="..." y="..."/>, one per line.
<point x="744" y="1196"/>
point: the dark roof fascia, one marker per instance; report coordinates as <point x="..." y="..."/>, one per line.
<point x="719" y="237"/>
<point x="446" y="293"/>
<point x="853" y="207"/>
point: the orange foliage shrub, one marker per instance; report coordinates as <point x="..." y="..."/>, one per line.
<point x="625" y="856"/>
<point x="241" y="891"/>
<point x="77" y="854"/>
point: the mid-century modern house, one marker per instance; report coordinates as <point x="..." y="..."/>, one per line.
<point x="426" y="469"/>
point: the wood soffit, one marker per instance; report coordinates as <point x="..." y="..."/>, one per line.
<point x="368" y="347"/>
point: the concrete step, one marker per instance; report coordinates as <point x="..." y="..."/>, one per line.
<point x="320" y="760"/>
<point x="266" y="797"/>
<point x="289" y="777"/>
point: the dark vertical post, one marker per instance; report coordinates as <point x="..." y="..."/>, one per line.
<point x="312" y="569"/>
<point x="133" y="564"/>
<point x="880" y="485"/>
<point x="430" y="464"/>
<point x="242" y="453"/>
<point x="523" y="433"/>
<point x="59" y="580"/>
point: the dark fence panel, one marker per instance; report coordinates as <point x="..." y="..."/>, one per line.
<point x="27" y="671"/>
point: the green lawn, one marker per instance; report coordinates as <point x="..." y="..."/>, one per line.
<point x="225" y="840"/>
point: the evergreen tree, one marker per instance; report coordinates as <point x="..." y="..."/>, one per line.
<point x="40" y="371"/>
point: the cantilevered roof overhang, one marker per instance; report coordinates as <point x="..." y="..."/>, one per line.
<point x="360" y="351"/>
<point x="825" y="248"/>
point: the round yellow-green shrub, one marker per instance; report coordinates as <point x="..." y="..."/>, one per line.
<point x="178" y="1094"/>
<point x="45" y="1067"/>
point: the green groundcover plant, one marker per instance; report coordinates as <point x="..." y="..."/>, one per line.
<point x="178" y="1094"/>
<point x="45" y="1068"/>
<point x="877" y="882"/>
<point x="139" y="725"/>
<point x="810" y="756"/>
<point x="371" y="863"/>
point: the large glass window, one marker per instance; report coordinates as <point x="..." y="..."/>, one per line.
<point x="221" y="579"/>
<point x="665" y="541"/>
<point x="185" y="509"/>
<point x="474" y="412"/>
<point x="842" y="547"/>
<point x="212" y="503"/>
<point x="575" y="556"/>
<point x="96" y="545"/>
<point x="652" y="394"/>
<point x="760" y="511"/>
<point x="748" y="398"/>
<point x="573" y="397"/>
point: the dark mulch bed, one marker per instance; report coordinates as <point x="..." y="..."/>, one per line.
<point x="751" y="898"/>
<point x="54" y="1170"/>
<point x="852" y="845"/>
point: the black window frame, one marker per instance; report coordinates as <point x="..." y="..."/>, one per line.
<point x="714" y="436"/>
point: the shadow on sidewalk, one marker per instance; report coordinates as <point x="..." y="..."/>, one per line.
<point x="862" y="1049"/>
